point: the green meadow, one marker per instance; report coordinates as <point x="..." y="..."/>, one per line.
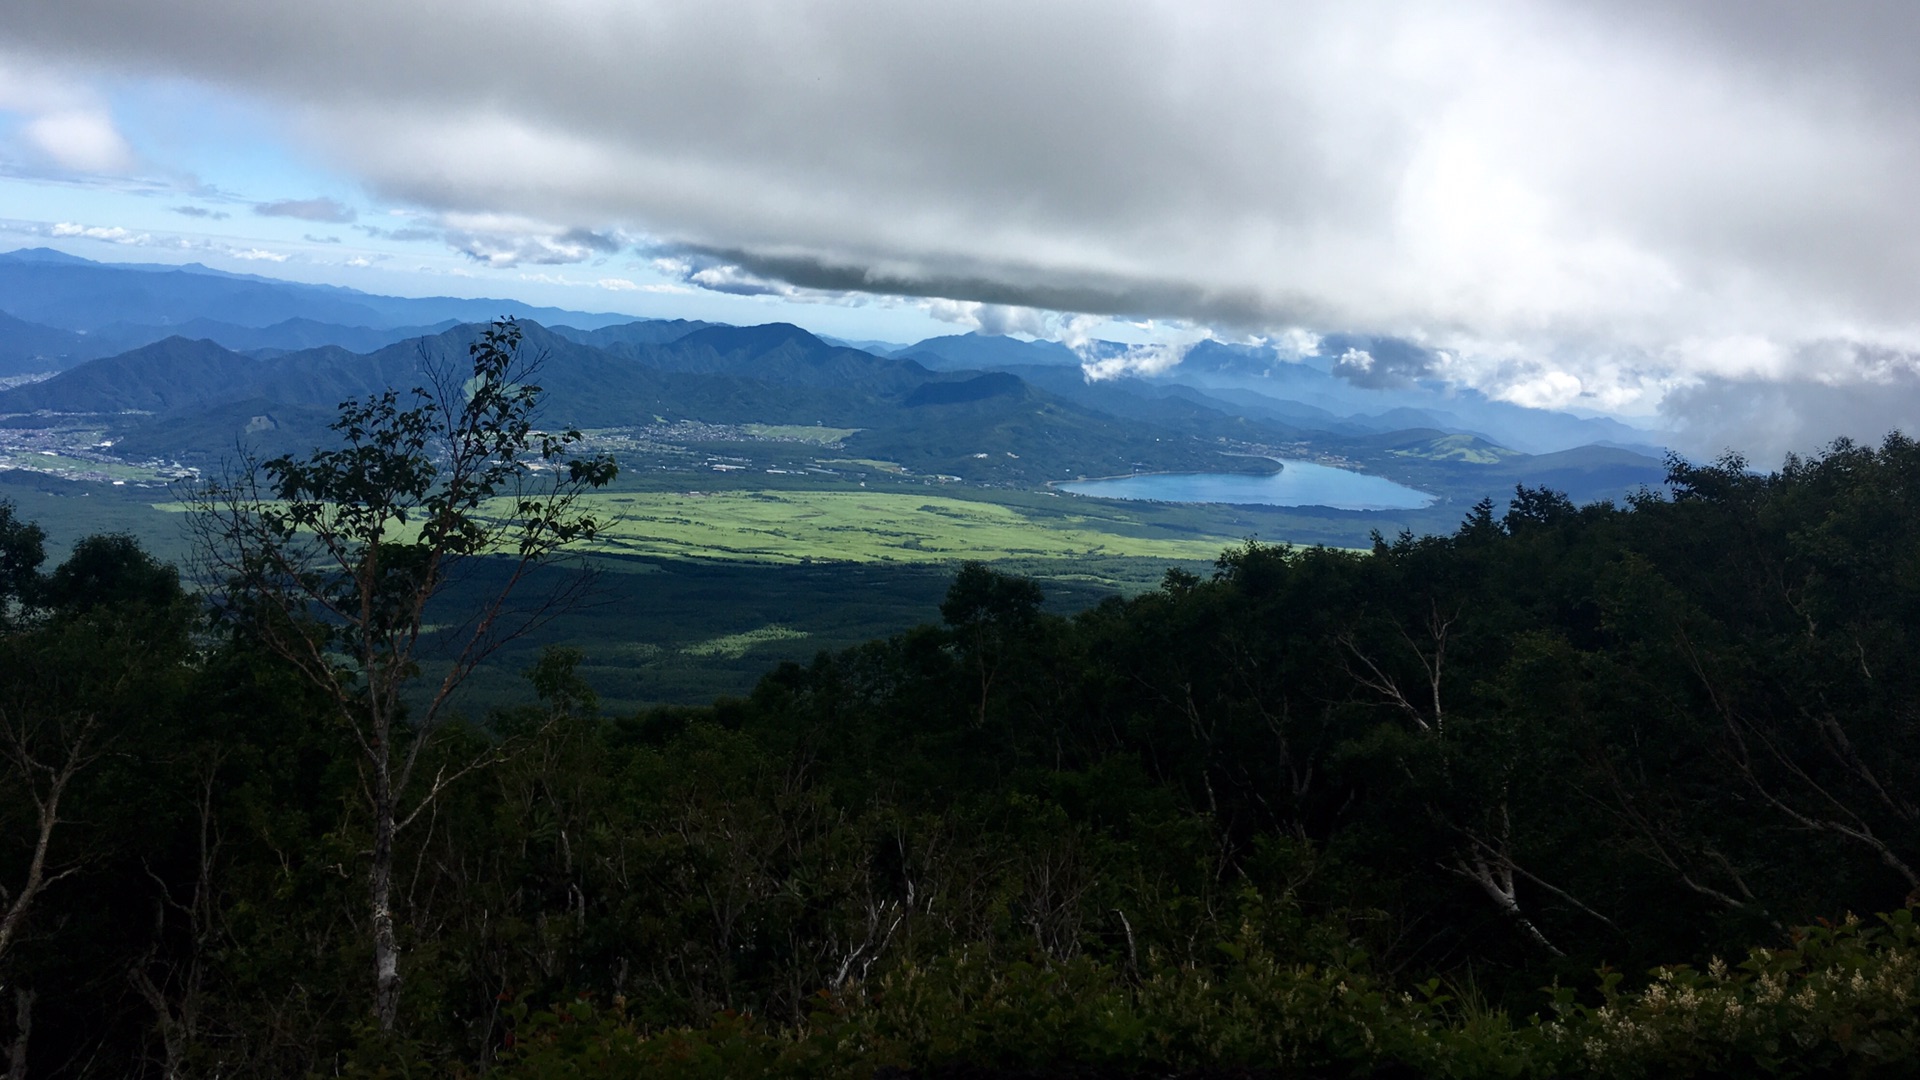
<point x="799" y="526"/>
<point x="735" y="646"/>
<point x="68" y="467"/>
<point x="700" y="593"/>
<point x="788" y="527"/>
<point x="819" y="436"/>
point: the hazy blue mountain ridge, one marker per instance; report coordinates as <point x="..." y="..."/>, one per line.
<point x="1402" y="381"/>
<point x="28" y="348"/>
<point x="779" y="353"/>
<point x="164" y="377"/>
<point x="1137" y="400"/>
<point x="124" y="306"/>
<point x="986" y="408"/>
<point x="993" y="384"/>
<point x="960" y="352"/>
<point x="641" y="332"/>
<point x="195" y="399"/>
<point x="77" y="294"/>
<point x="289" y="335"/>
<point x="1258" y="381"/>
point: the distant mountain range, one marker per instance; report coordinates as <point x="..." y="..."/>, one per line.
<point x="181" y="362"/>
<point x="190" y="400"/>
<point x="1257" y="380"/>
<point x="60" y="310"/>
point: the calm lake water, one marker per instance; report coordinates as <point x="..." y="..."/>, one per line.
<point x="1298" y="483"/>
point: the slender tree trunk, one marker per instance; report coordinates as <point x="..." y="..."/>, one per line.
<point x="986" y="688"/>
<point x="22" y="1030"/>
<point x="47" y="813"/>
<point x="1497" y="882"/>
<point x="386" y="951"/>
<point x="180" y="1023"/>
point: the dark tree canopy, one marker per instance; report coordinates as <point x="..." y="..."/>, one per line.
<point x="1316" y="812"/>
<point x="22" y="550"/>
<point x="111" y="569"/>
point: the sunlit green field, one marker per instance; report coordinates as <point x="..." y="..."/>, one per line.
<point x="822" y="436"/>
<point x="860" y="526"/>
<point x="735" y="646"/>
<point x="67" y="467"/>
<point x="800" y="526"/>
<point x="703" y="594"/>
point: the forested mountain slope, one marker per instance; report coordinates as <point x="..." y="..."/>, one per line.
<point x="182" y="399"/>
<point x="29" y="348"/>
<point x="1319" y="813"/>
<point x="187" y="392"/>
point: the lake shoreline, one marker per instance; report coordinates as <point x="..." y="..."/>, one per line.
<point x="1294" y="485"/>
<point x="1281" y="462"/>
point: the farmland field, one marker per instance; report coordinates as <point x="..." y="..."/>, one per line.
<point x="789" y="527"/>
<point x="817" y="435"/>
<point x="700" y="593"/>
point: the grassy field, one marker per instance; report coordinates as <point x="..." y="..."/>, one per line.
<point x="69" y="509"/>
<point x="700" y="594"/>
<point x="798" y="527"/>
<point x="792" y="527"/>
<point x="735" y="646"/>
<point x="67" y="467"/>
<point x="819" y="436"/>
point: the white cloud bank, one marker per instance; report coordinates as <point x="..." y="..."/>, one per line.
<point x="62" y="123"/>
<point x="1586" y="204"/>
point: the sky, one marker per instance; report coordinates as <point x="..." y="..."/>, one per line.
<point x="1695" y="216"/>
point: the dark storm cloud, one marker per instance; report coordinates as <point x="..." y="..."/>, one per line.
<point x="1711" y="184"/>
<point x="1378" y="363"/>
<point x="1765" y="419"/>
<point x="1011" y="284"/>
<point x="590" y="240"/>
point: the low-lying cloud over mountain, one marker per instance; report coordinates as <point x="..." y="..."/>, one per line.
<point x="1582" y="204"/>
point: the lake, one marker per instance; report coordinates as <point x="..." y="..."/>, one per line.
<point x="1298" y="483"/>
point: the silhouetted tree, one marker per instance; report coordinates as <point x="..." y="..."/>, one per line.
<point x="22" y="550"/>
<point x="333" y="559"/>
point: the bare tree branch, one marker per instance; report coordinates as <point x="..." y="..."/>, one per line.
<point x="46" y="783"/>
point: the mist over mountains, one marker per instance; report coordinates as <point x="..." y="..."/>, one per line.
<point x="1315" y="391"/>
<point x="179" y="362"/>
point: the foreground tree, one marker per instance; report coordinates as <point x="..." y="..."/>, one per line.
<point x="90" y="662"/>
<point x="332" y="561"/>
<point x="22" y="550"/>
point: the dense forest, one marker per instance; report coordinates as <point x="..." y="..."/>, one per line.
<point x="1575" y="790"/>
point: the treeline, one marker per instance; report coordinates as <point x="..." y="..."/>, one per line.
<point x="1438" y="808"/>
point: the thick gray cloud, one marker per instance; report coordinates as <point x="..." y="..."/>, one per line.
<point x="1379" y="363"/>
<point x="1765" y="419"/>
<point x="1539" y="188"/>
<point x="331" y="211"/>
<point x="498" y="244"/>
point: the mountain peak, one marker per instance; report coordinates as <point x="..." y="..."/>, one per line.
<point x="993" y="384"/>
<point x="45" y="256"/>
<point x="731" y="337"/>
